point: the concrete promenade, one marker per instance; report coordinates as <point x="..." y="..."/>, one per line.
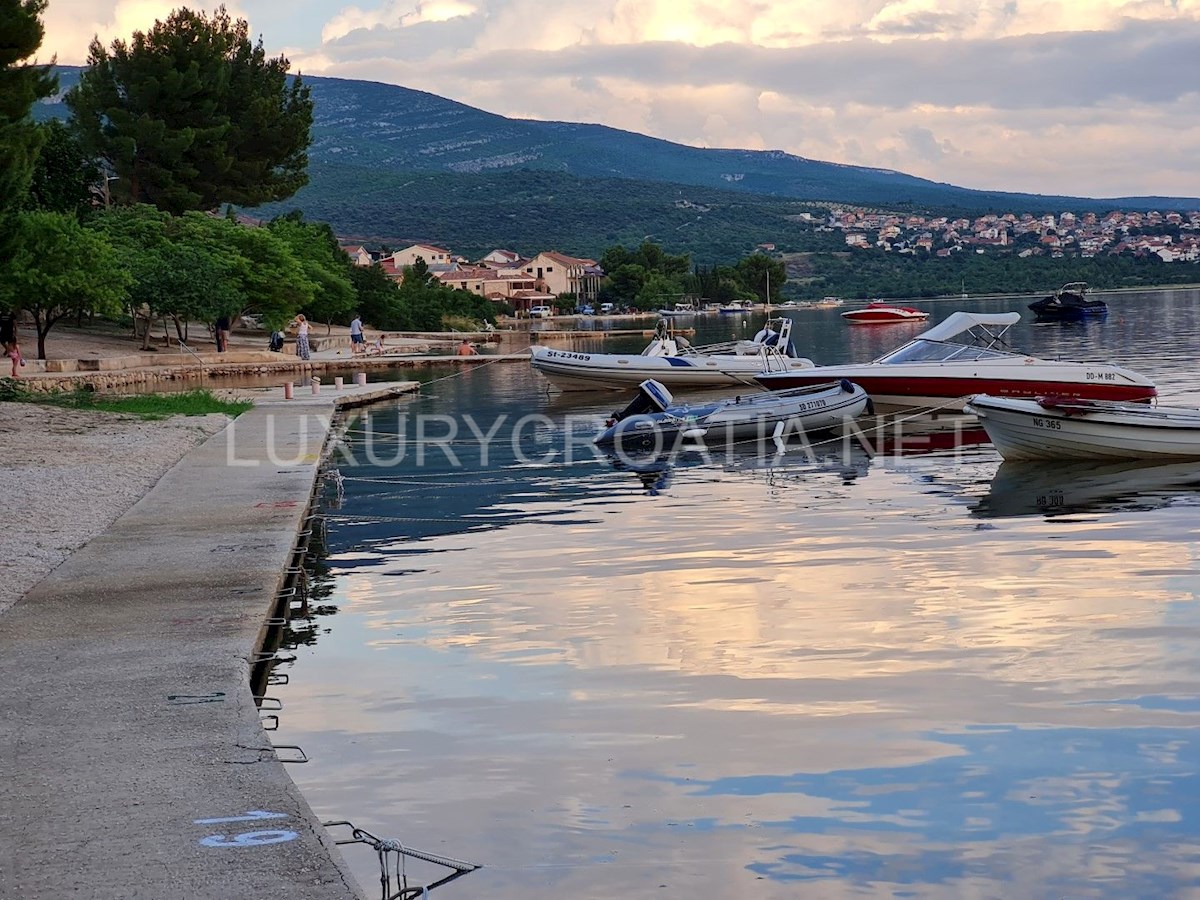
<point x="132" y="759"/>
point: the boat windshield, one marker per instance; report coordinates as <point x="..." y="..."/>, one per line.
<point x="921" y="350"/>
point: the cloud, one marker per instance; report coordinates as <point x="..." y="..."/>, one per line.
<point x="71" y="24"/>
<point x="1087" y="96"/>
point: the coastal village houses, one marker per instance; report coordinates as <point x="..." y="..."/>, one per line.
<point x="502" y="276"/>
<point x="435" y="257"/>
<point x="561" y="274"/>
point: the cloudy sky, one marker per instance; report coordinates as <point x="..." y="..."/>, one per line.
<point x="1086" y="97"/>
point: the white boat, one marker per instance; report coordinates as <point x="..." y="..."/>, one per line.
<point x="679" y="309"/>
<point x="654" y="420"/>
<point x="965" y="355"/>
<point x="827" y="303"/>
<point x="1060" y="428"/>
<point x="670" y="360"/>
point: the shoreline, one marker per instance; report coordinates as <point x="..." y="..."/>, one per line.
<point x="123" y="768"/>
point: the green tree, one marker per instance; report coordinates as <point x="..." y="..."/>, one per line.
<point x="626" y="281"/>
<point x="658" y="291"/>
<point x="190" y="115"/>
<point x="268" y="278"/>
<point x="377" y="297"/>
<point x="58" y="268"/>
<point x="64" y="176"/>
<point x="760" y="273"/>
<point x="179" y="270"/>
<point x="324" y="264"/>
<point x="21" y="85"/>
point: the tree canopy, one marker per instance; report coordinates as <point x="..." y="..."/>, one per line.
<point x="63" y="175"/>
<point x="59" y="268"/>
<point x="190" y="115"/>
<point x="21" y="85"/>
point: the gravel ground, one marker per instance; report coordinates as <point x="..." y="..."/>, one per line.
<point x="66" y="475"/>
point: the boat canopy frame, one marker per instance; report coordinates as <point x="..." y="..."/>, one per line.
<point x="985" y="336"/>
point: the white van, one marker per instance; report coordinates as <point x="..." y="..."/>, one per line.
<point x="541" y="312"/>
<point x="606" y="309"/>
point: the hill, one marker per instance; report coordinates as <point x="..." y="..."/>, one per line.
<point x="397" y="164"/>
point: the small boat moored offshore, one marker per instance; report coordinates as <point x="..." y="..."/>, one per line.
<point x="1058" y="428"/>
<point x="670" y="360"/>
<point x="653" y="419"/>
<point x="878" y="312"/>
<point x="1069" y="304"/>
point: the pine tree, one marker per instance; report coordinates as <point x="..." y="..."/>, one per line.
<point x="21" y="85"/>
<point x="190" y="115"/>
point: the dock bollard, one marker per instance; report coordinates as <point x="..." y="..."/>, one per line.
<point x="316" y="385"/>
<point x="287" y="390"/>
<point x="360" y="378"/>
<point x="337" y="382"/>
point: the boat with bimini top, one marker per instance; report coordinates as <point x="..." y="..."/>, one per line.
<point x="1069" y="304"/>
<point x="965" y="355"/>
<point x="671" y="360"/>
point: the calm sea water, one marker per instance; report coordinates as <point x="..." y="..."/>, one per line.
<point x="836" y="675"/>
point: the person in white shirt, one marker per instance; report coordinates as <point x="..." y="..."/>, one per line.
<point x="302" y="349"/>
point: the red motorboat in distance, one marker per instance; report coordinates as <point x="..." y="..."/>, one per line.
<point x="879" y="312"/>
<point x="943" y="366"/>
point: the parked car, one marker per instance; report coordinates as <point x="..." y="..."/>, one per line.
<point x="607" y="309"/>
<point x="541" y="312"/>
<point x="585" y="310"/>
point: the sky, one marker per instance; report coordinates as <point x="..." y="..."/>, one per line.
<point x="1096" y="98"/>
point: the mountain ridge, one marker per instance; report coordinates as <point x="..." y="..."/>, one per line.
<point x="372" y="123"/>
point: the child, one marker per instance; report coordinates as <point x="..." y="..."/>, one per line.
<point x="13" y="351"/>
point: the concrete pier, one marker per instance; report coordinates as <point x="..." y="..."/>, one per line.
<point x="132" y="758"/>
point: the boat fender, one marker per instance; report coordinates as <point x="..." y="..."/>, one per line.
<point x="847" y="386"/>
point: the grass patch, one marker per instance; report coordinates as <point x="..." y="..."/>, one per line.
<point x="145" y="406"/>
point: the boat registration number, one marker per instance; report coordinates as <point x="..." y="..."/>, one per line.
<point x="564" y="354"/>
<point x="1101" y="376"/>
<point x="1052" y="424"/>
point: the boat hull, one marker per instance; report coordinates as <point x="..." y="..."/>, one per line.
<point x="1025" y="429"/>
<point x="754" y="417"/>
<point x="570" y="371"/>
<point x="882" y="315"/>
<point x="950" y="386"/>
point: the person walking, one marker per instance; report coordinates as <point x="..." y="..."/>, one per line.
<point x="8" y="339"/>
<point x="301" y="324"/>
<point x="358" y="342"/>
<point x="222" y="334"/>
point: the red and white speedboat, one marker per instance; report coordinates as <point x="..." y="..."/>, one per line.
<point x="877" y="312"/>
<point x="965" y="355"/>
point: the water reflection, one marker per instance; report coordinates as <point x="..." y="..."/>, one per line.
<point x="881" y="673"/>
<point x="1063" y="488"/>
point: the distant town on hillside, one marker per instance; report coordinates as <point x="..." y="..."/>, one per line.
<point x="1172" y="236"/>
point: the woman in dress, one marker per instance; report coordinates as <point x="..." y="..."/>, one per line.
<point x="301" y="324"/>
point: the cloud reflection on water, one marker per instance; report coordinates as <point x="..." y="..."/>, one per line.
<point x="768" y="683"/>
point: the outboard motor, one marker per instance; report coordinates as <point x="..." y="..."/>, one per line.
<point x="651" y="397"/>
